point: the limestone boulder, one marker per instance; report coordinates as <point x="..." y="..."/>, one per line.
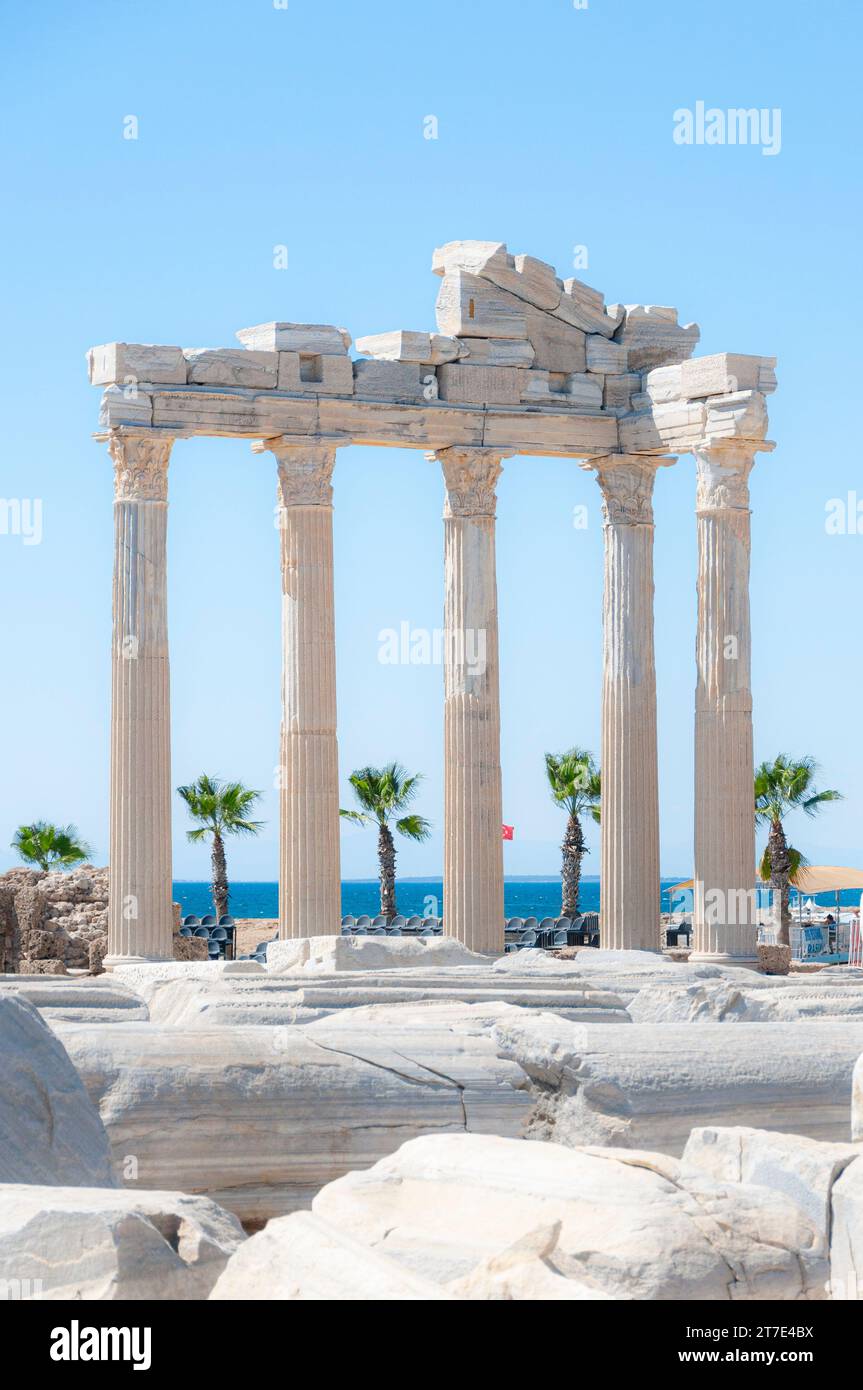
<point x="303" y="1258"/>
<point x="50" y="1130"/>
<point x="857" y="1100"/>
<point x="649" y="1085"/>
<point x="627" y="1225"/>
<point x="846" y="1238"/>
<point x="300" y="1257"/>
<point x="97" y="1243"/>
<point x="258" y="1118"/>
<point x="804" y="1169"/>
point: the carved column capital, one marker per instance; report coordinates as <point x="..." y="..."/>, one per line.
<point x="140" y="465"/>
<point x="305" y="470"/>
<point x="626" y="481"/>
<point x="722" y="472"/>
<point x="471" y="477"/>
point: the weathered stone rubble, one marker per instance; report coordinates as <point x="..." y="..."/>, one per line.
<point x="58" y="921"/>
<point x="647" y="1172"/>
<point x="49" y="921"/>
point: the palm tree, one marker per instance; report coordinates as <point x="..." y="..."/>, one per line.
<point x="222" y="808"/>
<point x="780" y="787"/>
<point x="50" y="846"/>
<point x="575" y="783"/>
<point x="383" y="792"/>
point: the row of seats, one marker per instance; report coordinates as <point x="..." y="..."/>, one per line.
<point x="219" y="933"/>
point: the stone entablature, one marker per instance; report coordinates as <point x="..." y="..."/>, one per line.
<point x="521" y="363"/>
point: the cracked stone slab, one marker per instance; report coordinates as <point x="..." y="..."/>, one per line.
<point x="258" y="1118"/>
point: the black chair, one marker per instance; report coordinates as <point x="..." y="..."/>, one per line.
<point x="201" y="931"/>
<point x="191" y="921"/>
<point x="185" y="931"/>
<point x="208" y="921"/>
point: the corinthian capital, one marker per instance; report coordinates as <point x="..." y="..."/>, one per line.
<point x="626" y="481"/>
<point x="140" y="466"/>
<point x="470" y="476"/>
<point x="305" y="470"/>
<point x="722" y="472"/>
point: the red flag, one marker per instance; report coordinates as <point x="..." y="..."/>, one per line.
<point x="508" y="831"/>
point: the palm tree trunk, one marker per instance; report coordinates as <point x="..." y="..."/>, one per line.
<point x="219" y="886"/>
<point x="780" y="878"/>
<point x="570" y="873"/>
<point x="387" y="861"/>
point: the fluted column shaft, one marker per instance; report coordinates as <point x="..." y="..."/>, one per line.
<point x="140" y="923"/>
<point x="629" y="865"/>
<point x="473" y="848"/>
<point x="309" y="865"/>
<point x="724" y="908"/>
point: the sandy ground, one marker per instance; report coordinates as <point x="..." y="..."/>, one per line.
<point x="251" y="930"/>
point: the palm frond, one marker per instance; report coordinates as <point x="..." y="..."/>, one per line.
<point x="414" y="827"/>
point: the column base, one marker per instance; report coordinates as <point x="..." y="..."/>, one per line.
<point x="111" y="962"/>
<point x="747" y="962"/>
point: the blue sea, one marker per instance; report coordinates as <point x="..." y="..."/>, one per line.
<point x="523" y="897"/>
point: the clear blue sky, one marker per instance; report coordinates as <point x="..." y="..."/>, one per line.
<point x="304" y="127"/>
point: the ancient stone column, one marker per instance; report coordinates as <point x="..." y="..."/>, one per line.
<point x="629" y="868"/>
<point x="473" y="847"/>
<point x="309" y="874"/>
<point x="724" y="907"/>
<point x="140" y="925"/>
<point x="473" y="816"/>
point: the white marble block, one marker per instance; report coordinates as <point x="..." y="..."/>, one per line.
<point x="846" y="1237"/>
<point x="557" y="346"/>
<point x="664" y="384"/>
<point x="390" y="381"/>
<point x="741" y="415"/>
<point x="523" y="276"/>
<point x="429" y="349"/>
<point x="124" y="362"/>
<point x="618" y="392"/>
<point x="653" y="336"/>
<point x="307" y="373"/>
<point x="232" y="367"/>
<point x="468" y="307"/>
<point x="573" y="390"/>
<point x="724" y="373"/>
<point x="803" y="1169"/>
<point x="296" y="337"/>
<point x="584" y="308"/>
<point x="459" y="381"/>
<point x="124" y="405"/>
<point x="627" y="1226"/>
<point x="106" y="1244"/>
<point x="605" y="356"/>
<point x="648" y="1086"/>
<point x="50" y="1131"/>
<point x="677" y="426"/>
<point x="497" y="352"/>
